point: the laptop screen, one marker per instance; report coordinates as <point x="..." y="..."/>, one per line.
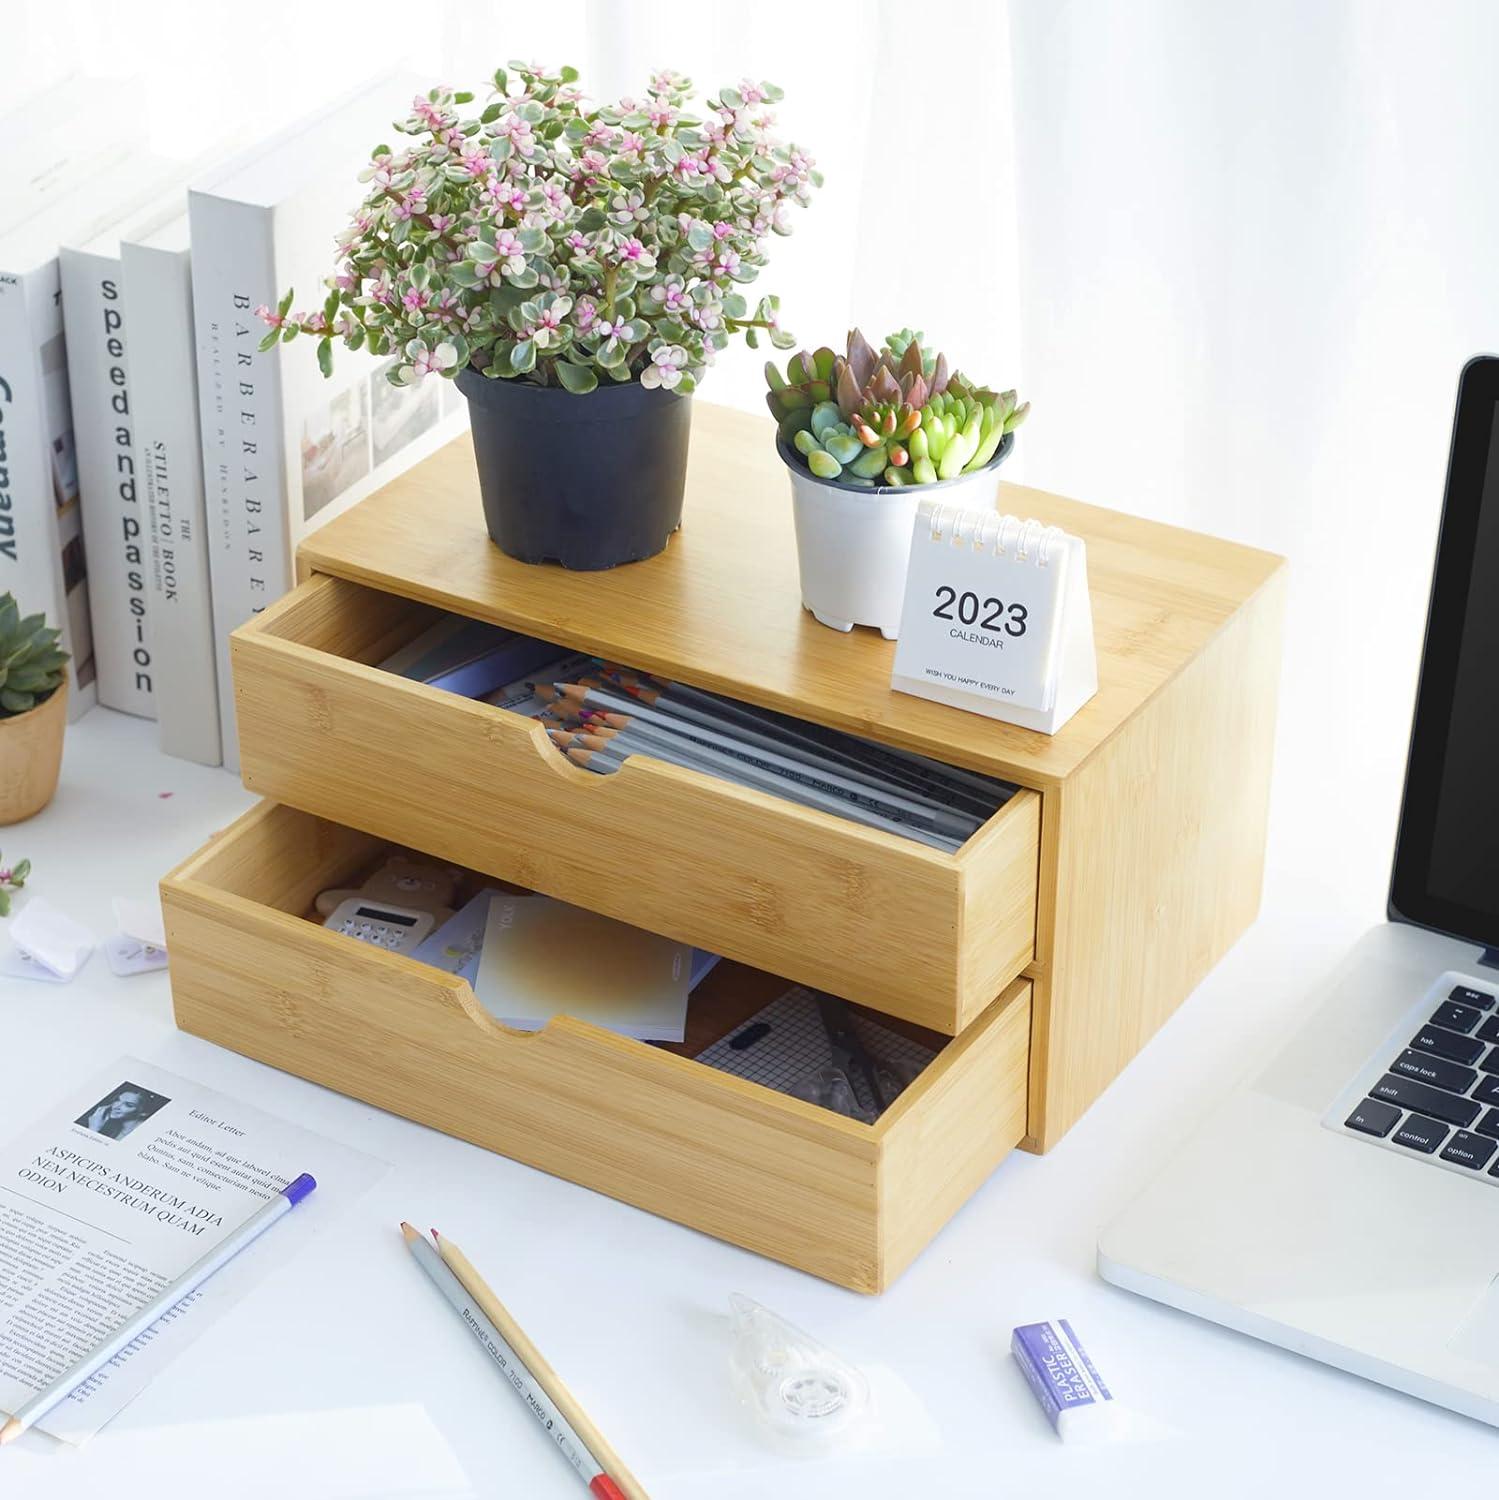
<point x="1447" y="856"/>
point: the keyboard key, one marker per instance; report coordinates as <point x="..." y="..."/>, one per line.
<point x="1425" y="1100"/>
<point x="1487" y="1091"/>
<point x="1469" y="1150"/>
<point x="1464" y="995"/>
<point x="1420" y="1134"/>
<point x="1436" y="1070"/>
<point x="1456" y="1017"/>
<point x="1374" y="1118"/>
<point x="1489" y="1031"/>
<point x="1490" y="1063"/>
<point x="1460" y="1049"/>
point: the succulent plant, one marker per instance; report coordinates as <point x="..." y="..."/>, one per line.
<point x="31" y="662"/>
<point x="12" y="878"/>
<point x="892" y="415"/>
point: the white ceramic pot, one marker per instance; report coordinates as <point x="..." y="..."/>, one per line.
<point x="853" y="545"/>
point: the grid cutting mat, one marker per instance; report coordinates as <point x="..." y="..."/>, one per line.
<point x="785" y="1042"/>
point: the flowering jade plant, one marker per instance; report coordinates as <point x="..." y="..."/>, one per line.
<point x="562" y="243"/>
<point x="12" y="878"/>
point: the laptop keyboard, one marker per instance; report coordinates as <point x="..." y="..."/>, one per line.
<point x="1439" y="1094"/>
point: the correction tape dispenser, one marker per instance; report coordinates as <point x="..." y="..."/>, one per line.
<point x="810" y="1400"/>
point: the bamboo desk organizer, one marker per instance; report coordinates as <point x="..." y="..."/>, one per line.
<point x="1049" y="948"/>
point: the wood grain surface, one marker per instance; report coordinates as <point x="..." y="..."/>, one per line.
<point x="721" y="607"/>
<point x="870" y="916"/>
<point x="843" y="1200"/>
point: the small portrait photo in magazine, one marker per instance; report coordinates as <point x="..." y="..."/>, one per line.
<point x="121" y="1110"/>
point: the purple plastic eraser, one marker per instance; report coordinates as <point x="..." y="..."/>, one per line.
<point x="1065" y="1380"/>
<point x="296" y="1190"/>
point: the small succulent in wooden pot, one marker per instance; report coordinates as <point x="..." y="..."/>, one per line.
<point x="33" y="711"/>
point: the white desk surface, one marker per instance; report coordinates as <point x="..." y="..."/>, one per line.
<point x="343" y="1376"/>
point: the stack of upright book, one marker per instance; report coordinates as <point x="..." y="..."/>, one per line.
<point x="157" y="469"/>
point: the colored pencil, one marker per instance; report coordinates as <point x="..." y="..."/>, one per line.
<point x="917" y="772"/>
<point x="694" y="758"/>
<point x="191" y="1279"/>
<point x="889" y="804"/>
<point x="533" y="1379"/>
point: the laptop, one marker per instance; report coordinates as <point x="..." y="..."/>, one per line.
<point x="1345" y="1203"/>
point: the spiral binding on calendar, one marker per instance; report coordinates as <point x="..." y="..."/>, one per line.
<point x="991" y="533"/>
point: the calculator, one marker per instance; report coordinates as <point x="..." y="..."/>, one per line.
<point x="396" y="928"/>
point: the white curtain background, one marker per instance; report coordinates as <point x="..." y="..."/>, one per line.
<point x="1234" y="255"/>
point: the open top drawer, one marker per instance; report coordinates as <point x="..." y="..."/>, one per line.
<point x="915" y="932"/>
<point x="845" y="1200"/>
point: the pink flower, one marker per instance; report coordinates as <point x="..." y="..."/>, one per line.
<point x="629" y="144"/>
<point x="728" y="261"/>
<point x="517" y="131"/>
<point x="268" y="314"/>
<point x="428" y="113"/>
<point x="432" y="361"/>
<point x="505" y="194"/>
<point x="633" y="251"/>
<point x="411" y="205"/>
<point x="661" y="115"/>
<point x="476" y="161"/>
<point x="751" y="93"/>
<point x="671" y="294"/>
<point x="593" y="163"/>
<point x="510" y="255"/>
<point x="585" y="313"/>
<point x="665" y="368"/>
<point x="576" y="241"/>
<point x="441" y="223"/>
<point x="413" y="300"/>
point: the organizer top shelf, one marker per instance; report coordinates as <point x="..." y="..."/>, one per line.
<point x="721" y="607"/>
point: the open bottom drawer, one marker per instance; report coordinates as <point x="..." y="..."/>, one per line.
<point x="915" y="932"/>
<point x="850" y="1202"/>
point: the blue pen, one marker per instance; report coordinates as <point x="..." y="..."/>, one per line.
<point x="190" y="1280"/>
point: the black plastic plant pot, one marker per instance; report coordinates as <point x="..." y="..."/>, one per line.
<point x="586" y="481"/>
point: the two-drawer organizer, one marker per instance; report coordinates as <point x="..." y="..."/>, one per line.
<point x="1036" y="960"/>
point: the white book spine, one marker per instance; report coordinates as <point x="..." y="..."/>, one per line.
<point x="114" y="532"/>
<point x="169" y="472"/>
<point x="41" y="542"/>
<point x="239" y="404"/>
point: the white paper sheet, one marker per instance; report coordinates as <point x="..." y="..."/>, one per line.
<point x="133" y="1177"/>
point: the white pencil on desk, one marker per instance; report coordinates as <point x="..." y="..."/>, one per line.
<point x="187" y="1283"/>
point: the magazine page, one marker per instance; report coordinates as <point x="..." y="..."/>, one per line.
<point x="113" y="1195"/>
